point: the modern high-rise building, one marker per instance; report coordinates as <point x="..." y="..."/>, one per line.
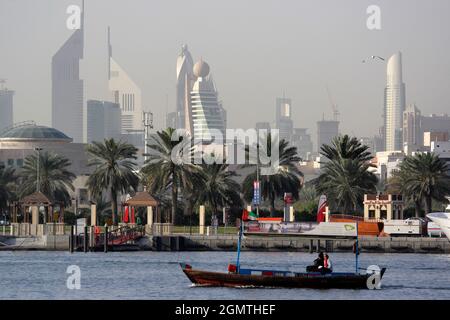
<point x="103" y="120"/>
<point x="283" y="119"/>
<point x="436" y="123"/>
<point x="394" y="104"/>
<point x="302" y="140"/>
<point x="412" y="129"/>
<point x="171" y="120"/>
<point x="6" y="108"/>
<point x="326" y="131"/>
<point x="203" y="112"/>
<point x="185" y="76"/>
<point x="67" y="87"/>
<point x="126" y="93"/>
<point x="262" y="126"/>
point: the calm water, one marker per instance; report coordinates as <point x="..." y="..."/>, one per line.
<point x="156" y="275"/>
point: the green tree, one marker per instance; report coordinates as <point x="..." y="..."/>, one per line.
<point x="346" y="174"/>
<point x="219" y="188"/>
<point x="55" y="179"/>
<point x="287" y="177"/>
<point x="168" y="167"/>
<point x="7" y="186"/>
<point x="422" y="178"/>
<point x="115" y="170"/>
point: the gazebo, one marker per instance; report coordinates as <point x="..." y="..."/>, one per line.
<point x="31" y="224"/>
<point x="144" y="199"/>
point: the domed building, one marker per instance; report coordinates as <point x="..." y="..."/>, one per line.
<point x="24" y="139"/>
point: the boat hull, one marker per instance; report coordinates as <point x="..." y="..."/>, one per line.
<point x="298" y="280"/>
<point x="442" y="219"/>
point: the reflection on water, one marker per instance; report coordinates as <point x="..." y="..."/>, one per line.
<point x="156" y="275"/>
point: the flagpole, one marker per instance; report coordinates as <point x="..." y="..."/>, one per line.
<point x="239" y="246"/>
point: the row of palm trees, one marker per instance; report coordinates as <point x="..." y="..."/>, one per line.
<point x="346" y="176"/>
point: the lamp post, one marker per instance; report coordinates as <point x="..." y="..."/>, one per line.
<point x="38" y="177"/>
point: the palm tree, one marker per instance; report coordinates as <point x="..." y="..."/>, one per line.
<point x="287" y="177"/>
<point x="163" y="170"/>
<point x="7" y="189"/>
<point x="55" y="179"/>
<point x="346" y="176"/>
<point x="424" y="177"/>
<point x="114" y="170"/>
<point x="219" y="189"/>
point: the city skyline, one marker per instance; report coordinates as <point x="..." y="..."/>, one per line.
<point x="302" y="72"/>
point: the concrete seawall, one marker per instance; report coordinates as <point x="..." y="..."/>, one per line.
<point x="229" y="243"/>
<point x="300" y="244"/>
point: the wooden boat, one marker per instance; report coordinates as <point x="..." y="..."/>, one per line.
<point x="278" y="279"/>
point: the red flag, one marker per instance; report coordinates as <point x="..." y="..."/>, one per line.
<point x="125" y="216"/>
<point x="245" y="215"/>
<point x="322" y="208"/>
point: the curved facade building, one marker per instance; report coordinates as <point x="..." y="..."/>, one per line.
<point x="394" y="104"/>
<point x="205" y="112"/>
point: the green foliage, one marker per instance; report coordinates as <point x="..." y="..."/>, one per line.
<point x="422" y="178"/>
<point x="114" y="170"/>
<point x="287" y="177"/>
<point x="8" y="180"/>
<point x="346" y="177"/>
<point x="54" y="176"/>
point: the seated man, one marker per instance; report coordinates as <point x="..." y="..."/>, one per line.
<point x="327" y="265"/>
<point x="318" y="263"/>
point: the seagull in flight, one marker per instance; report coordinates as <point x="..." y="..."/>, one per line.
<point x="373" y="58"/>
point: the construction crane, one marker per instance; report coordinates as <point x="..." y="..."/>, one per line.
<point x="334" y="106"/>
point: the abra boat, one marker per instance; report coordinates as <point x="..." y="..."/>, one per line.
<point x="238" y="277"/>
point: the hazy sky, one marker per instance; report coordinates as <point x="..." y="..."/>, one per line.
<point x="256" y="50"/>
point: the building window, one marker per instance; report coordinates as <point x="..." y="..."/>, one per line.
<point x="383" y="214"/>
<point x="19" y="163"/>
<point x="371" y="214"/>
<point x="10" y="162"/>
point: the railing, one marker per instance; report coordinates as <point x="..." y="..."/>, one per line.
<point x="208" y="230"/>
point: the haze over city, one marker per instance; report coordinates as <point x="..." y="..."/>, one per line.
<point x="255" y="52"/>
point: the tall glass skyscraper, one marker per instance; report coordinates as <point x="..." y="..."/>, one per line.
<point x="67" y="87"/>
<point x="127" y="94"/>
<point x="394" y="104"/>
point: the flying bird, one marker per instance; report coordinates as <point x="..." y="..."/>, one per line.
<point x="373" y="58"/>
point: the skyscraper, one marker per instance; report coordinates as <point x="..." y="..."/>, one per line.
<point x="284" y="122"/>
<point x="103" y="120"/>
<point x="67" y="87"/>
<point x="185" y="66"/>
<point x="412" y="129"/>
<point x="394" y="104"/>
<point x="126" y="93"/>
<point x="302" y="140"/>
<point x="203" y="112"/>
<point x="326" y="131"/>
<point x="6" y="108"/>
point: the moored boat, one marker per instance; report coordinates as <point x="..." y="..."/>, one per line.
<point x="280" y="279"/>
<point x="442" y="219"/>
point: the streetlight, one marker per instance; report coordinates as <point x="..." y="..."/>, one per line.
<point x="38" y="177"/>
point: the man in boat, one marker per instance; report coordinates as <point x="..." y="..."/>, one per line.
<point x="327" y="265"/>
<point x="318" y="263"/>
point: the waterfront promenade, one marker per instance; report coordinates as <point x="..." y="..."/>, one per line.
<point x="226" y="242"/>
